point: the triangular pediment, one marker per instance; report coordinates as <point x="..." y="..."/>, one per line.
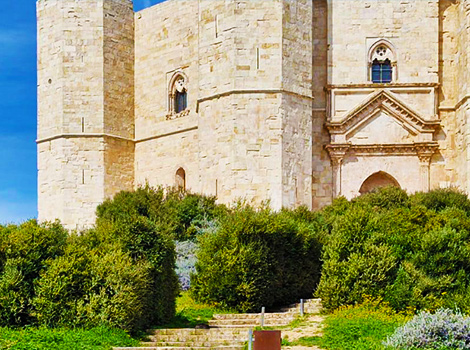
<point x="381" y="128"/>
<point x="382" y="103"/>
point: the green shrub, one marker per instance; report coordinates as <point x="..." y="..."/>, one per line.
<point x="257" y="258"/>
<point x="443" y="198"/>
<point x="93" y="287"/>
<point x="144" y="241"/>
<point x="361" y="327"/>
<point x="24" y="250"/>
<point x="177" y="213"/>
<point x="411" y="255"/>
<point x="119" y="274"/>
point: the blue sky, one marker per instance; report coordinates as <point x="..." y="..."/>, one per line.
<point x="18" y="170"/>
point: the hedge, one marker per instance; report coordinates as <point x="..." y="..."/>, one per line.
<point x="257" y="258"/>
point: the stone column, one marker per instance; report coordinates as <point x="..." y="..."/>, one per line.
<point x="337" y="153"/>
<point x="425" y="153"/>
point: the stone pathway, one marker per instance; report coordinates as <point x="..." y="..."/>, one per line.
<point x="230" y="331"/>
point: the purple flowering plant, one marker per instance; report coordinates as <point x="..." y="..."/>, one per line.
<point x="445" y="329"/>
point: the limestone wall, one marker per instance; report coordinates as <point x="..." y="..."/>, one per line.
<point x="70" y="177"/>
<point x="322" y="191"/>
<point x="411" y="26"/>
<point x="85" y="117"/>
<point x="297" y="102"/>
<point x="240" y="126"/>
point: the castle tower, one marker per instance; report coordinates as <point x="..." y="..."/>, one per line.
<point x="85" y="106"/>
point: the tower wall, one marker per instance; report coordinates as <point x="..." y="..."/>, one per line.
<point x="411" y="26"/>
<point x="85" y="87"/>
<point x="297" y="103"/>
<point x="166" y="43"/>
<point x="240" y="99"/>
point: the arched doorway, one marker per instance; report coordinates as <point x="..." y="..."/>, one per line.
<point x="180" y="179"/>
<point x="377" y="180"/>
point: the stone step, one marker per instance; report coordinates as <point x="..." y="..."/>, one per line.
<point x="192" y="331"/>
<point x="195" y="343"/>
<point x="251" y="325"/>
<point x="222" y="347"/>
<point x="267" y="316"/>
<point x="247" y="323"/>
<point x="227" y="332"/>
<point x="215" y="337"/>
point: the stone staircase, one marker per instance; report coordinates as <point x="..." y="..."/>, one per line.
<point x="226" y="332"/>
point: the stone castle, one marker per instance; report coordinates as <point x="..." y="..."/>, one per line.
<point x="295" y="101"/>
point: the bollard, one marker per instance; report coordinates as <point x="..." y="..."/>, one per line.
<point x="250" y="339"/>
<point x="262" y="316"/>
<point x="301" y="307"/>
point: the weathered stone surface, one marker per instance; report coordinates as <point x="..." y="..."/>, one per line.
<point x="280" y="100"/>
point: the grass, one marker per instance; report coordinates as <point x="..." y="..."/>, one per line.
<point x="190" y="313"/>
<point x="101" y="338"/>
<point x="361" y="327"/>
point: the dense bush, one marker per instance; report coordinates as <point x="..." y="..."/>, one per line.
<point x="176" y="212"/>
<point x="91" y="287"/>
<point x="444" y="329"/>
<point x="412" y="251"/>
<point x="24" y="250"/>
<point x="257" y="258"/>
<point x="119" y="274"/>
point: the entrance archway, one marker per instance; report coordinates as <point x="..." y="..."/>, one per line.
<point x="377" y="180"/>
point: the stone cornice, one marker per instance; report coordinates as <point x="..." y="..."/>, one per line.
<point x="382" y="99"/>
<point x="381" y="86"/>
<point x="424" y="150"/>
<point x="104" y="135"/>
<point x="82" y="135"/>
<point x="250" y="91"/>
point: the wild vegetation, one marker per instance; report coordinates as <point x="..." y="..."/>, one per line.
<point x="257" y="258"/>
<point x="411" y="252"/>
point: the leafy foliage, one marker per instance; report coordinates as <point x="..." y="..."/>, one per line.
<point x="101" y="338"/>
<point x="24" y="250"/>
<point x="119" y="274"/>
<point x="391" y="246"/>
<point x="445" y="329"/>
<point x="257" y="258"/>
<point x="361" y="327"/>
<point x="91" y="287"/>
<point x="177" y="213"/>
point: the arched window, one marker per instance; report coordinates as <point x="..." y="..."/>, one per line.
<point x="178" y="96"/>
<point x="377" y="180"/>
<point x="181" y="179"/>
<point x="382" y="63"/>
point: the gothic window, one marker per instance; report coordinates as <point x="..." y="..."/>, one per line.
<point x="181" y="179"/>
<point x="178" y="96"/>
<point x="382" y="63"/>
